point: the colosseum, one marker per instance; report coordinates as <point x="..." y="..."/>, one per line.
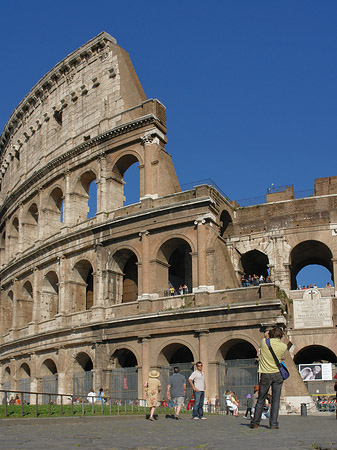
<point x="99" y="298"/>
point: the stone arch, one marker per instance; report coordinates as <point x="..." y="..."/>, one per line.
<point x="48" y="367"/>
<point x="123" y="357"/>
<point x="49" y="296"/>
<point x="236" y="348"/>
<point x="31" y="224"/>
<point x="13" y="237"/>
<point x="49" y="379"/>
<point x="175" y="352"/>
<point x="315" y="353"/>
<point x="306" y="253"/>
<point x="82" y="373"/>
<point x="124" y="276"/>
<point x="7" y="311"/>
<point x="83" y="287"/>
<point x="25" y="305"/>
<point x="23" y="376"/>
<point x="255" y="262"/>
<point x="53" y="213"/>
<point x="80" y="204"/>
<point x="226" y="224"/>
<point x="119" y="167"/>
<point x="2" y="245"/>
<point x="174" y="264"/>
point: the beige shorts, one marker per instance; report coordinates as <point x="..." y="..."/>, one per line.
<point x="178" y="401"/>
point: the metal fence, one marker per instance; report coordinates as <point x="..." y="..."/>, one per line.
<point x="239" y="376"/>
<point x="124" y="383"/>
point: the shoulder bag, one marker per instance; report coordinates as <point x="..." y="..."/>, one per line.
<point x="281" y="366"/>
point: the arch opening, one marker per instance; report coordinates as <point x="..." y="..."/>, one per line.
<point x="50" y="296"/>
<point x="25" y="305"/>
<point x="124" y="187"/>
<point x="309" y="253"/>
<point x="226" y="224"/>
<point x="124" y="375"/>
<point x="49" y="381"/>
<point x="83" y="375"/>
<point x="124" y="276"/>
<point x="85" y="197"/>
<point x="174" y="267"/>
<point x="315" y="353"/>
<point x="256" y="263"/>
<point x="84" y="287"/>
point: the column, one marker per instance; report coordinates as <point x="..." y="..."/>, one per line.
<point x="145" y="342"/>
<point x="200" y="225"/>
<point x="66" y="201"/>
<point x="144" y="237"/>
<point x="37" y="285"/>
<point x="62" y="285"/>
<point x="21" y="230"/>
<point x="97" y="308"/>
<point x="101" y="188"/>
<point x="334" y="273"/>
<point x="203" y="355"/>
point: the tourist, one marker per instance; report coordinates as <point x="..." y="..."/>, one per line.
<point x="217" y="405"/>
<point x="249" y="404"/>
<point x="152" y="390"/>
<point x="185" y="289"/>
<point x="101" y="396"/>
<point x="270" y="377"/>
<point x="176" y="390"/>
<point x="180" y="290"/>
<point x="91" y="397"/>
<point x="197" y="381"/>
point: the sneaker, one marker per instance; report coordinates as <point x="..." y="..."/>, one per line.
<point x="203" y="418"/>
<point x="176" y="417"/>
<point x="195" y="418"/>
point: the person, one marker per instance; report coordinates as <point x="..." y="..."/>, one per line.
<point x="91" y="397"/>
<point x="152" y="390"/>
<point x="101" y="396"/>
<point x="230" y="403"/>
<point x="197" y="381"/>
<point x="180" y="290"/>
<point x="209" y="405"/>
<point x="185" y="289"/>
<point x="269" y="377"/>
<point x="176" y="390"/>
<point x="217" y="404"/>
<point x="249" y="404"/>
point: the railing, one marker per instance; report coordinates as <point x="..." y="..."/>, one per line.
<point x="208" y="181"/>
<point x="75" y="405"/>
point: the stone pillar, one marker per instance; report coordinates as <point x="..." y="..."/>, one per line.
<point x="33" y="379"/>
<point x="62" y="285"/>
<point x="21" y="230"/>
<point x="41" y="215"/>
<point x="97" y="308"/>
<point x="145" y="342"/>
<point x="62" y="373"/>
<point x="147" y="141"/>
<point x="15" y="306"/>
<point x="334" y="274"/>
<point x="200" y="225"/>
<point x="144" y="236"/>
<point x="203" y="354"/>
<point x="66" y="202"/>
<point x="37" y="286"/>
<point x="102" y="188"/>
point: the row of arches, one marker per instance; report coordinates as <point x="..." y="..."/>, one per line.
<point x="124" y="367"/>
<point x="67" y="203"/>
<point x="77" y="286"/>
<point x="307" y="253"/>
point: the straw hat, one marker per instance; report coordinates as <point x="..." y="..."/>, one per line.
<point x="154" y="374"/>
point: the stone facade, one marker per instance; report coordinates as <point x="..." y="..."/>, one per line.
<point x="82" y="297"/>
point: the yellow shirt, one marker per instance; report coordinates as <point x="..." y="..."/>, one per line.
<point x="266" y="360"/>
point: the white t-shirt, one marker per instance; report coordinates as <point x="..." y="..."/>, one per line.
<point x="198" y="379"/>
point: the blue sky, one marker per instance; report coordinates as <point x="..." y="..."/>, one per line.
<point x="249" y="86"/>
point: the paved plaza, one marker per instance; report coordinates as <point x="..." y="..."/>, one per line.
<point x="126" y="433"/>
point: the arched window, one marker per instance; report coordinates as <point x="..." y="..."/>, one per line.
<point x="31" y="225"/>
<point x="255" y="262"/>
<point x="84" y="205"/>
<point x="226" y="224"/>
<point x="125" y="276"/>
<point x="14" y="238"/>
<point x="83" y="375"/>
<point x="25" y="305"/>
<point x="84" y="288"/>
<point x="50" y="296"/>
<point x="174" y="268"/>
<point x="310" y="253"/>
<point x="124" y="187"/>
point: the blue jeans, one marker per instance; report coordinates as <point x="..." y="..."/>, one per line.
<point x="198" y="404"/>
<point x="267" y="380"/>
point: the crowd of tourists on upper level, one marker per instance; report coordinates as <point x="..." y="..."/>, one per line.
<point x="254" y="280"/>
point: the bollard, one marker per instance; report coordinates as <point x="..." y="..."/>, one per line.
<point x="304" y="409"/>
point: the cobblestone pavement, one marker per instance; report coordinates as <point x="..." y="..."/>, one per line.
<point x="136" y="433"/>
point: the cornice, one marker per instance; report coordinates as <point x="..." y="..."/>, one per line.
<point x="70" y="154"/>
<point x="56" y="76"/>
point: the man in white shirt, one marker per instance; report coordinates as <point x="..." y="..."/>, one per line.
<point x="197" y="381"/>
